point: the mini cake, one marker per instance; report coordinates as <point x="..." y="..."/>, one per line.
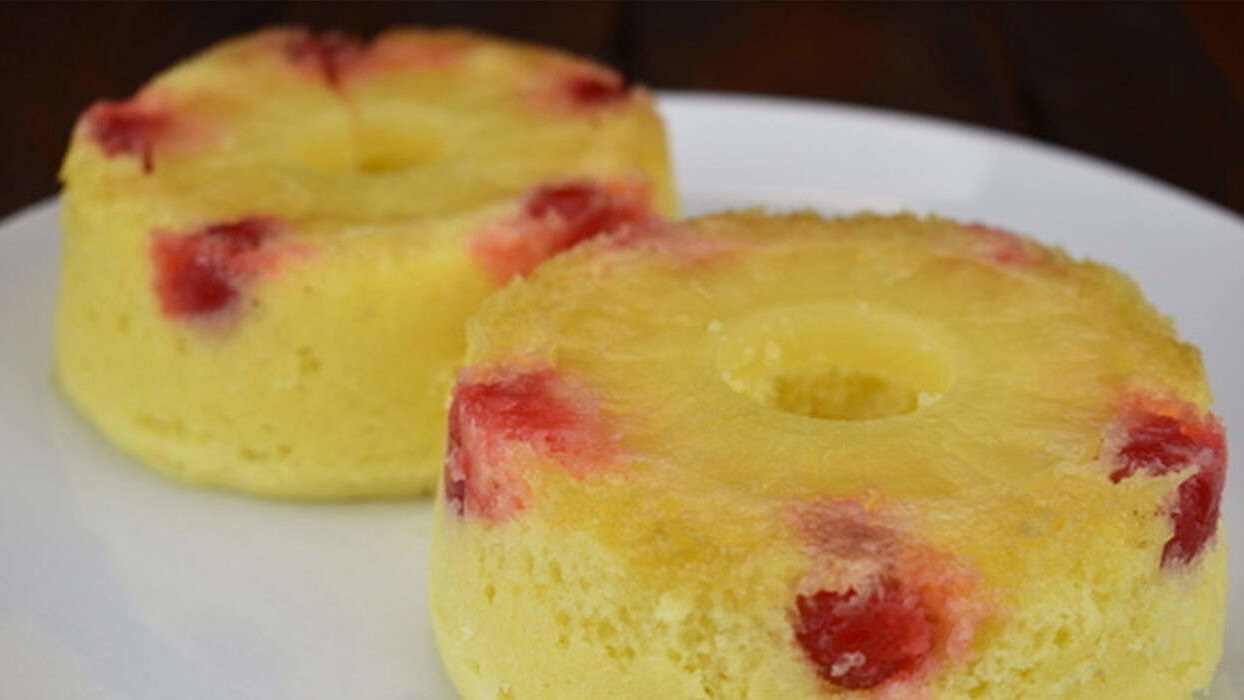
<point x="271" y="248"/>
<point x="779" y="457"/>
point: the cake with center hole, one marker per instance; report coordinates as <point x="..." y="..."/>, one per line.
<point x="270" y="249"/>
<point x="754" y="456"/>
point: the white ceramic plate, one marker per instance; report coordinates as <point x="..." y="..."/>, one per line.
<point x="117" y="584"/>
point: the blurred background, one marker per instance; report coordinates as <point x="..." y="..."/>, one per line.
<point x="1155" y="86"/>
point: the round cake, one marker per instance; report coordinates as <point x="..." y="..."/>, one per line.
<point x="757" y="456"/>
<point x="270" y="250"/>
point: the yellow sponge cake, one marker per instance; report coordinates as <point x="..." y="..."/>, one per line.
<point x="270" y="250"/>
<point x="781" y="457"/>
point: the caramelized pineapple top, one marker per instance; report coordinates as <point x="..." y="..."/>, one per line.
<point x="413" y="123"/>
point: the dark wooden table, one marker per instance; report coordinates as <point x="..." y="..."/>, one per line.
<point x="1158" y="87"/>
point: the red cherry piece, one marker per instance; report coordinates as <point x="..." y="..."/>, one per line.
<point x="533" y="407"/>
<point x="595" y="89"/>
<point x="127" y="129"/>
<point x="1195" y="515"/>
<point x="1158" y="438"/>
<point x="577" y="89"/>
<point x="554" y="218"/>
<point x="859" y="640"/>
<point x="202" y="273"/>
<point x="328" y="54"/>
<point x="459" y="466"/>
<point x="577" y="211"/>
<point x="569" y="201"/>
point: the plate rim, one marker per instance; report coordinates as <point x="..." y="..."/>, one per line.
<point x="896" y="118"/>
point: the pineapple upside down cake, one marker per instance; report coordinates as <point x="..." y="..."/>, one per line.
<point x="270" y="250"/>
<point x="776" y="457"/>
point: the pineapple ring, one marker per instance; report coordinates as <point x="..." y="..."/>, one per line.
<point x="271" y="249"/>
<point x="777" y="457"/>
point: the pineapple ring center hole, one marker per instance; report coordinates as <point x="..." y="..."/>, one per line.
<point x="833" y="361"/>
<point x="372" y="144"/>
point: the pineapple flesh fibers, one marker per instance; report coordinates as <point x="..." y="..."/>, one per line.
<point x="271" y="248"/>
<point x="758" y="456"/>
